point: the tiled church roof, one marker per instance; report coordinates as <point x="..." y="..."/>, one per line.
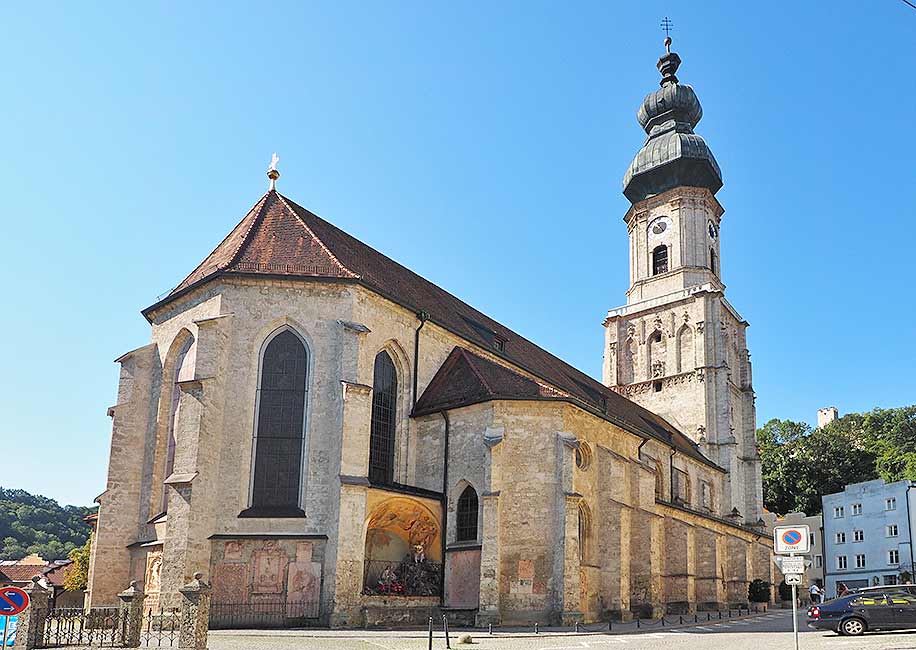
<point x="279" y="238"/>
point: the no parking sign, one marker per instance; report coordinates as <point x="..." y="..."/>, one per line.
<point x="791" y="539"/>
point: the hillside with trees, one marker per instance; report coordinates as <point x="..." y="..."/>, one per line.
<point x="799" y="463"/>
<point x="30" y="523"/>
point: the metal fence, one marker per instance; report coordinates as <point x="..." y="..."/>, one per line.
<point x="160" y="628"/>
<point x="72" y="626"/>
<point x="263" y="614"/>
<point x="406" y="578"/>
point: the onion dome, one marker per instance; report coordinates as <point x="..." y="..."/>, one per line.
<point x="673" y="155"/>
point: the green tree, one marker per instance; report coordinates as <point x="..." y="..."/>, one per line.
<point x="77" y="576"/>
<point x="35" y="524"/>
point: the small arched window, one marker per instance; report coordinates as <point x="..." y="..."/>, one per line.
<point x="659" y="259"/>
<point x="384" y="413"/>
<point x="466" y="516"/>
<point x="659" y="481"/>
<point x="712" y="260"/>
<point x="279" y="435"/>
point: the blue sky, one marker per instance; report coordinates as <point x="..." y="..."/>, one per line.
<point x="481" y="144"/>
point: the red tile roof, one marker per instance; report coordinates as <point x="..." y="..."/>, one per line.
<point x="278" y="238"/>
<point x="53" y="571"/>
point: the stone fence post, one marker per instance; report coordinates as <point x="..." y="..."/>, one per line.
<point x="30" y="624"/>
<point x="195" y="614"/>
<point x="131" y="614"/>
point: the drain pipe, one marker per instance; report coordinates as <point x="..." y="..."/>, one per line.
<point x="423" y="316"/>
<point x="909" y="527"/>
<point x="444" y="500"/>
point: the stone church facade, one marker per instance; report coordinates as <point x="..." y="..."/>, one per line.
<point x="314" y="425"/>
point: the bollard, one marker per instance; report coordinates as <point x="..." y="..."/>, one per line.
<point x="536" y="629"/>
<point x="695" y="619"/>
<point x="610" y="626"/>
<point x="708" y="616"/>
<point x="577" y="627"/>
<point x="663" y="620"/>
<point x="637" y="622"/>
<point x="448" y="642"/>
<point x="430" y="646"/>
<point x="490" y="629"/>
<point x="720" y="614"/>
<point x="680" y="620"/>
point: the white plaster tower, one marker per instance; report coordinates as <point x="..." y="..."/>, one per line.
<point x="678" y="347"/>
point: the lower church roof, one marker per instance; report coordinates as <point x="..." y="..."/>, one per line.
<point x="279" y="238"/>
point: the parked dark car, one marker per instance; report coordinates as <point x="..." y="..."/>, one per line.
<point x="907" y="588"/>
<point x="858" y="613"/>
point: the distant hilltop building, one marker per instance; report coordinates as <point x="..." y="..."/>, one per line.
<point x="322" y="431"/>
<point x="826" y="415"/>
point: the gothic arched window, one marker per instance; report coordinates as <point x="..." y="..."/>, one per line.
<point x="384" y="412"/>
<point x="659" y="259"/>
<point x="184" y="370"/>
<point x="279" y="436"/>
<point x="466" y="516"/>
<point x="712" y="260"/>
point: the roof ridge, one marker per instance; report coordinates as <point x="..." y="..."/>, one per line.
<point x="316" y="237"/>
<point x="247" y="237"/>
<point x="465" y="353"/>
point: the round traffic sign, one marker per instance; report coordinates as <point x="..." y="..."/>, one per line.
<point x="791" y="537"/>
<point x="13" y="600"/>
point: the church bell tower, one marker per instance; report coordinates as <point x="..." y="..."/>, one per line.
<point x="678" y="347"/>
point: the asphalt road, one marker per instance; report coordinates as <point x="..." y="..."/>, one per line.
<point x="772" y="631"/>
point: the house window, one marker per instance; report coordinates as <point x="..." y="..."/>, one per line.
<point x="279" y="440"/>
<point x="860" y="561"/>
<point x="706" y="495"/>
<point x="466" y="516"/>
<point x="811" y="539"/>
<point x="681" y="487"/>
<point x="840" y="561"/>
<point x="856" y="509"/>
<point x="890" y="504"/>
<point x="858" y="535"/>
<point x="893" y="556"/>
<point x="841" y="538"/>
<point x="838" y="512"/>
<point x="659" y="259"/>
<point x="890" y="579"/>
<point x="818" y="561"/>
<point x="583" y="456"/>
<point x="382" y="428"/>
<point x="657" y="386"/>
<point x="891" y="530"/>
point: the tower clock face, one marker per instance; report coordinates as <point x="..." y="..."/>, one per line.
<point x="712" y="230"/>
<point x="659" y="227"/>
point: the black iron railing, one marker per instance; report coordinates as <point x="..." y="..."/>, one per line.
<point x="263" y="614"/>
<point x="406" y="578"/>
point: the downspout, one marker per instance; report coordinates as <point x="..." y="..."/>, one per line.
<point x="824" y="561"/>
<point x="909" y="528"/>
<point x="423" y="316"/>
<point x="639" y="449"/>
<point x="444" y="500"/>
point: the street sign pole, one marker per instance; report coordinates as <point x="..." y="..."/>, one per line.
<point x="794" y="609"/>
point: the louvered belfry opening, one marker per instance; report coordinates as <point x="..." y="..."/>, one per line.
<point x="384" y="411"/>
<point x="660" y="260"/>
<point x="281" y="413"/>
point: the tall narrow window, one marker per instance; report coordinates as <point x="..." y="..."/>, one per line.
<point x="384" y="410"/>
<point x="712" y="260"/>
<point x="659" y="260"/>
<point x="466" y="521"/>
<point x="184" y="370"/>
<point x="281" y="415"/>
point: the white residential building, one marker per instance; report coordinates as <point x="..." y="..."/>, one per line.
<point x="868" y="532"/>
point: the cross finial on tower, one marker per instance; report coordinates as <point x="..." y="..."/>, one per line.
<point x="272" y="172"/>
<point x="667" y="26"/>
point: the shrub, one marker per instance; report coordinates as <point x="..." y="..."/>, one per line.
<point x="758" y="591"/>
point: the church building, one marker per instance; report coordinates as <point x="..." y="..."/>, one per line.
<point x="318" y="429"/>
